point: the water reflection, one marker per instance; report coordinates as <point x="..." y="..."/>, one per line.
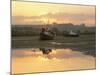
<point x="26" y="61"/>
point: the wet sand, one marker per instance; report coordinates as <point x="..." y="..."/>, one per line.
<point x="27" y="61"/>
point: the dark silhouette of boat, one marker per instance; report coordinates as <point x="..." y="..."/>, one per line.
<point x="46" y="34"/>
<point x="46" y="50"/>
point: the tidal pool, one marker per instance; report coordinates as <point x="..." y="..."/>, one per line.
<point x="27" y="61"/>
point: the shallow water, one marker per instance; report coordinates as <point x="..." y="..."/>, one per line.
<point x="27" y="61"/>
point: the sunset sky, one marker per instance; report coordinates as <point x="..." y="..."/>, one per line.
<point x="32" y="13"/>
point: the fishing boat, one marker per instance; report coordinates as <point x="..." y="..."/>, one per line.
<point x="46" y="34"/>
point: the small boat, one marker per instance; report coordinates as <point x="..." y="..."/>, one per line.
<point x="72" y="34"/>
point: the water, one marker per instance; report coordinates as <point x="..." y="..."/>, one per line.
<point x="83" y="43"/>
<point x="64" y="59"/>
<point x="68" y="53"/>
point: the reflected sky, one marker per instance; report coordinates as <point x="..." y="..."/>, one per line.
<point x="27" y="61"/>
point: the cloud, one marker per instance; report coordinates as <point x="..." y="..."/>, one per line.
<point x="71" y="17"/>
<point x="26" y="20"/>
<point x="59" y="17"/>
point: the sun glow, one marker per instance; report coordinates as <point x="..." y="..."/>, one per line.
<point x="43" y="58"/>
